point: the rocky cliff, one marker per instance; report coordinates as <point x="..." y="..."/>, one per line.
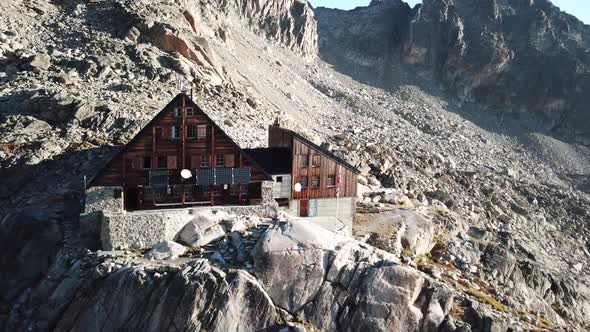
<point x="520" y="57"/>
<point x="494" y="228"/>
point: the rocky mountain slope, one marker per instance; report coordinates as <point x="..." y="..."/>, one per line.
<point x="499" y="206"/>
<point x="528" y="59"/>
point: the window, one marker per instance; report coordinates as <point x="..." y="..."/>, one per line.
<point x="176" y="132"/>
<point x="279" y="179"/>
<point x="315" y="181"/>
<point x="315" y="162"/>
<point x="220" y="160"/>
<point x="191" y="131"/>
<point x="190" y="111"/>
<point x="205" y="161"/>
<point x="331" y="180"/>
<point x="162" y="162"/>
<point x="303" y="181"/>
<point x="146" y="162"/>
<point x="230" y="160"/>
<point x="201" y="132"/>
<point x="304" y="161"/>
<point x="178" y="112"/>
<point x="117" y="193"/>
<point x="172" y="162"/>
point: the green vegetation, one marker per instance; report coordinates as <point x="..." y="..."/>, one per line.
<point x="484" y="298"/>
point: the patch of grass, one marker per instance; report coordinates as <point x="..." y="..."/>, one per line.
<point x="544" y="324"/>
<point x="308" y="326"/>
<point x="485" y="298"/>
<point x="427" y="256"/>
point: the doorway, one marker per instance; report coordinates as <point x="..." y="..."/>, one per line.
<point x="131" y="199"/>
<point x="303" y="208"/>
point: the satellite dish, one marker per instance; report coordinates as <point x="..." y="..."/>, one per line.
<point x="297" y="187"/>
<point x="186" y="174"/>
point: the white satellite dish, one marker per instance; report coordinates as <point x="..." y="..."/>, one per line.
<point x="297" y="187"/>
<point x="186" y="174"/>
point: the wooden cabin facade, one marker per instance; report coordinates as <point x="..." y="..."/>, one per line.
<point x="320" y="174"/>
<point x="182" y="137"/>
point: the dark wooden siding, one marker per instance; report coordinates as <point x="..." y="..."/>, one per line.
<point x="327" y="167"/>
<point x="124" y="169"/>
<point x="279" y="138"/>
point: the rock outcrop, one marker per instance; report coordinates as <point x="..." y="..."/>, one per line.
<point x="527" y="59"/>
<point x="338" y="284"/>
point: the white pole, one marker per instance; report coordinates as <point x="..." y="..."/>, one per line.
<point x="338" y="180"/>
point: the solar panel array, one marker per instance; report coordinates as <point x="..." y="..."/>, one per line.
<point x="224" y="176"/>
<point x="205" y="177"/>
<point x="242" y="176"/>
<point x="221" y="176"/>
<point x="159" y="178"/>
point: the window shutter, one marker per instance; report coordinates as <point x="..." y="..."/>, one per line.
<point x="230" y="160"/>
<point x="172" y="163"/>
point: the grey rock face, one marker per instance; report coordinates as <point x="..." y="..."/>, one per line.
<point x="340" y="284"/>
<point x="196" y="298"/>
<point x="525" y="59"/>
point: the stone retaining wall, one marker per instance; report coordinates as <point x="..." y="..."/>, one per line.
<point x="144" y="229"/>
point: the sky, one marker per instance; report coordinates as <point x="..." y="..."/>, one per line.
<point x="578" y="8"/>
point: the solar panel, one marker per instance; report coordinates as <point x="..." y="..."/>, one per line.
<point x="159" y="178"/>
<point x="205" y="177"/>
<point x="223" y="176"/>
<point x="241" y="176"/>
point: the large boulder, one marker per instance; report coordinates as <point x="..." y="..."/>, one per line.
<point x="166" y="250"/>
<point x="201" y="231"/>
<point x="418" y="237"/>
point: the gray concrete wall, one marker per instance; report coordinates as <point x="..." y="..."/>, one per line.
<point x="326" y="207"/>
<point x="282" y="189"/>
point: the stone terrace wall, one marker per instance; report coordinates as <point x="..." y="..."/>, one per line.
<point x="144" y="229"/>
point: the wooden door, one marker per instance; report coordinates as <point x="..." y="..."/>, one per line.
<point x="303" y="207"/>
<point x="131" y="199"/>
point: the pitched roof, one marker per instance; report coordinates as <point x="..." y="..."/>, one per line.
<point x="273" y="160"/>
<point x="190" y="103"/>
<point x="324" y="151"/>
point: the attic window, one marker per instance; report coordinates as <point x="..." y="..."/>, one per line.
<point x="178" y="112"/>
<point x="316" y="160"/>
<point x="190" y="111"/>
<point x="201" y="132"/>
<point x="176" y="132"/>
<point x="304" y="161"/>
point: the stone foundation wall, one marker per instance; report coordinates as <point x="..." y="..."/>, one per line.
<point x="104" y="199"/>
<point x="144" y="229"/>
